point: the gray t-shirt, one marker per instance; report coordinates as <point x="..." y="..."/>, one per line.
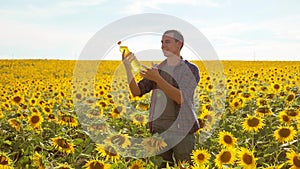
<point x="165" y="110"/>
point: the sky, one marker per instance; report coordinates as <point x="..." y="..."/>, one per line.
<point x="236" y="29"/>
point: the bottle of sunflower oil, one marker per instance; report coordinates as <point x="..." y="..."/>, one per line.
<point x="135" y="64"/>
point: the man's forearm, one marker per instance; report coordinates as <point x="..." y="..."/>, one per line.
<point x="134" y="88"/>
<point x="170" y="91"/>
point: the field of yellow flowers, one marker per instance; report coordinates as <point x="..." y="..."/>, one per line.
<point x="61" y="114"/>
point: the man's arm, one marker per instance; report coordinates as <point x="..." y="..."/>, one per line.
<point x="134" y="88"/>
<point x="171" y="91"/>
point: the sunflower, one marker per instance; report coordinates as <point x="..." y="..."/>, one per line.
<point x="237" y="103"/>
<point x="109" y="152"/>
<point x="37" y="161"/>
<point x="96" y="164"/>
<point x="16" y="124"/>
<point x="17" y="100"/>
<point x="200" y="157"/>
<point x="35" y="120"/>
<point x="225" y="156"/>
<point x="283" y="117"/>
<point x="226" y="139"/>
<point x="247" y="159"/>
<point x="246" y="95"/>
<point x="46" y="109"/>
<point x="5" y="161"/>
<point x="142" y="106"/>
<point x="33" y="101"/>
<point x="262" y="102"/>
<point x="137" y="164"/>
<point x="103" y="104"/>
<point x="252" y="123"/>
<point x="262" y="111"/>
<point x="51" y="118"/>
<point x="63" y="145"/>
<point x="284" y="134"/>
<point x="153" y="144"/>
<point x="207" y="119"/>
<point x="139" y="119"/>
<point x="118" y="111"/>
<point x="276" y="87"/>
<point x="63" y="166"/>
<point x="293" y="159"/>
<point x="290" y="98"/>
<point x="293" y="113"/>
<point x="101" y="127"/>
<point x="95" y="113"/>
<point x="121" y="140"/>
<point x="68" y="120"/>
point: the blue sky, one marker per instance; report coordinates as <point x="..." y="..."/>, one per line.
<point x="237" y="29"/>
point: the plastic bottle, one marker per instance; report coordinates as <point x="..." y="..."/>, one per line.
<point x="135" y="64"/>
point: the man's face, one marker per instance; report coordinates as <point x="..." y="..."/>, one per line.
<point x="170" y="46"/>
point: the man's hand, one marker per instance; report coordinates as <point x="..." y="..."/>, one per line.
<point x="128" y="59"/>
<point x="150" y="73"/>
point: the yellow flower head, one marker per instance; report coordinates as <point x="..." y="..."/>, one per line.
<point x="63" y="145"/>
<point x="99" y="164"/>
<point x="226" y="139"/>
<point x="285" y="134"/>
<point x="247" y="159"/>
<point x="252" y="123"/>
<point x="293" y="159"/>
<point x="200" y="157"/>
<point x="5" y="161"/>
<point x="108" y="151"/>
<point x="225" y="156"/>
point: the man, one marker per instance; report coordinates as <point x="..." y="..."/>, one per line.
<point x="172" y="83"/>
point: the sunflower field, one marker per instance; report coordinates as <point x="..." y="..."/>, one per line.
<point x="65" y="114"/>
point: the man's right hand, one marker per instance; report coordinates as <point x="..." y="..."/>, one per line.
<point x="127" y="59"/>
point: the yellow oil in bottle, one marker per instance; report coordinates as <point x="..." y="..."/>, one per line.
<point x="135" y="64"/>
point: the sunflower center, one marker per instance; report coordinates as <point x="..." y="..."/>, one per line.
<point x="118" y="110"/>
<point x="118" y="139"/>
<point x="200" y="157"/>
<point x="3" y="160"/>
<point x="227" y="139"/>
<point x="253" y="122"/>
<point x="276" y="86"/>
<point x="225" y="157"/>
<point x="296" y="161"/>
<point x="35" y="119"/>
<point x="285" y="118"/>
<point x="263" y="102"/>
<point x="78" y="96"/>
<point x="236" y="104"/>
<point x="208" y="118"/>
<point x="247" y="159"/>
<point x="290" y="98"/>
<point x="47" y="109"/>
<point x="263" y="110"/>
<point x="96" y="165"/>
<point x="17" y="99"/>
<point x="139" y="118"/>
<point x="110" y="151"/>
<point x="135" y="167"/>
<point x="284" y="132"/>
<point x="62" y="143"/>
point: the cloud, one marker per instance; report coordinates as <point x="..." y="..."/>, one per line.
<point x="49" y="9"/>
<point x="35" y="39"/>
<point x="139" y="6"/>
